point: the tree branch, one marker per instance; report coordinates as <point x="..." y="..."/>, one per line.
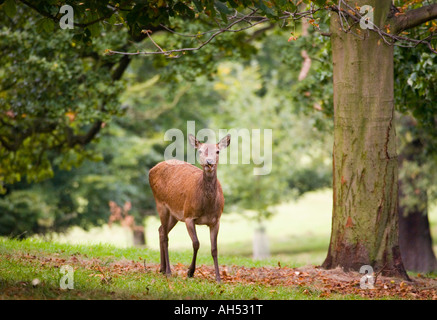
<point x="249" y="20"/>
<point x="84" y="139"/>
<point x="261" y="31"/>
<point x="389" y="37"/>
<point x="414" y="18"/>
<point x="122" y="66"/>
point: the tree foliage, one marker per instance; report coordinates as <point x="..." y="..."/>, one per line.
<point x="78" y="115"/>
<point x="58" y="89"/>
<point x="415" y="94"/>
<point x="55" y="94"/>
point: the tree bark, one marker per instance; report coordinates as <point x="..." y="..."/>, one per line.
<point x="365" y="168"/>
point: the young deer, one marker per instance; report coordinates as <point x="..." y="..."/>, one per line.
<point x="185" y="193"/>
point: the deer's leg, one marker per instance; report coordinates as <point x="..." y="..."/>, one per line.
<point x="162" y="240"/>
<point x="163" y="237"/>
<point x="171" y="223"/>
<point x="191" y="227"/>
<point x="213" y="231"/>
<point x="167" y="223"/>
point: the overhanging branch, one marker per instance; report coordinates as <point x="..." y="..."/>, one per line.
<point x="237" y="23"/>
<point x="387" y="35"/>
<point x="414" y="18"/>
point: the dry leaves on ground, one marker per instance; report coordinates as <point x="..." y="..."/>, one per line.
<point x="312" y="280"/>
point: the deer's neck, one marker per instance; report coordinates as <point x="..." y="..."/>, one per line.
<point x="209" y="185"/>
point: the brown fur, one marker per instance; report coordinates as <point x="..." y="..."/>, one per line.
<point x="186" y="193"/>
<point x="191" y="195"/>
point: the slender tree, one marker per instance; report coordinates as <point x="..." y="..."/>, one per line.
<point x="415" y="95"/>
<point x="414" y="232"/>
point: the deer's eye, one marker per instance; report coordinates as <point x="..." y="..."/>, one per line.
<point x="218" y="151"/>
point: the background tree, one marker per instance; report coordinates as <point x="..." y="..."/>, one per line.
<point x="415" y="94"/>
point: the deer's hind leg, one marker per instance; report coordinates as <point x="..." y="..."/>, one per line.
<point x="167" y="223"/>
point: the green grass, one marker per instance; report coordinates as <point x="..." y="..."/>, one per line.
<point x="20" y="264"/>
<point x="298" y="235"/>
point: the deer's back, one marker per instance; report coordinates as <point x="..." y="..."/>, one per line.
<point x="173" y="182"/>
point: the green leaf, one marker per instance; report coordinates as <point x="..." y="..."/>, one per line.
<point x="10" y="8"/>
<point x="223" y="9"/>
<point x="184" y="10"/>
<point x="261" y="5"/>
<point x="321" y="3"/>
<point x="198" y="5"/>
<point x="233" y="4"/>
<point x="112" y="19"/>
<point x="94" y="29"/>
<point x="48" y="25"/>
<point x="44" y="25"/>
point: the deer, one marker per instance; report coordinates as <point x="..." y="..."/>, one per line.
<point x="186" y="193"/>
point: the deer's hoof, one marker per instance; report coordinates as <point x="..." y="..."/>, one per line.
<point x="165" y="272"/>
<point x="190" y="273"/>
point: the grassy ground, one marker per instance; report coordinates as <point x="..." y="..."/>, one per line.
<point x="107" y="272"/>
<point x="32" y="269"/>
<point x="298" y="236"/>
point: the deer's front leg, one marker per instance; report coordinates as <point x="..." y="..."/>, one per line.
<point x="213" y="230"/>
<point x="191" y="227"/>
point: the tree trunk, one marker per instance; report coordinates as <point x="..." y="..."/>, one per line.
<point x="365" y="169"/>
<point x="261" y="248"/>
<point x="139" y="237"/>
<point x="415" y="239"/>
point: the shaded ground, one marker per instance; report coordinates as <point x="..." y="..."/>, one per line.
<point x="309" y="280"/>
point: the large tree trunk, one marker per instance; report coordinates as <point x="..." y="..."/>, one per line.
<point x="365" y="169"/>
<point x="415" y="239"/>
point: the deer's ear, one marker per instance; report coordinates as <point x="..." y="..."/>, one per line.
<point x="193" y="141"/>
<point x="224" y="142"/>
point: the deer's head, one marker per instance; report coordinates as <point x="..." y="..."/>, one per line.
<point x="208" y="153"/>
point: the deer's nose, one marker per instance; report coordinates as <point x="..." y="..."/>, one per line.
<point x="209" y="162"/>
